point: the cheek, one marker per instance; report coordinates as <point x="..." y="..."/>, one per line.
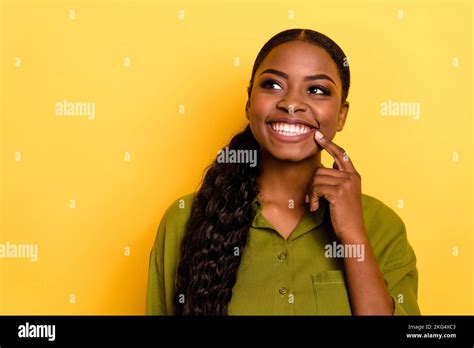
<point x="262" y="105"/>
<point x="328" y="114"/>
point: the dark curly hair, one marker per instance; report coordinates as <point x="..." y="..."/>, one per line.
<point x="222" y="210"/>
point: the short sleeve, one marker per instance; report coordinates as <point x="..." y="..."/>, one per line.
<point x="401" y="275"/>
<point x="155" y="298"/>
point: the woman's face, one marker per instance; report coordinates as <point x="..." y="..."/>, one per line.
<point x="285" y="96"/>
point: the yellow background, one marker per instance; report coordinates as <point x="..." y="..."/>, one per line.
<point x="398" y="50"/>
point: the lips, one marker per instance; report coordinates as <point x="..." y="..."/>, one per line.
<point x="292" y="136"/>
<point x="290" y="129"/>
<point x="291" y="121"/>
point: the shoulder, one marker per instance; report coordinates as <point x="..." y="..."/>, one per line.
<point x="173" y="224"/>
<point x="385" y="228"/>
<point x="378" y="213"/>
<point x="179" y="209"/>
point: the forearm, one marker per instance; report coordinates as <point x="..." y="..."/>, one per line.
<point x="367" y="290"/>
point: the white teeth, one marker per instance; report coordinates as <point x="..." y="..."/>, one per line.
<point x="289" y="129"/>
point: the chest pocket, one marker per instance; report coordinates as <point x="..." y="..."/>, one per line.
<point x="330" y="293"/>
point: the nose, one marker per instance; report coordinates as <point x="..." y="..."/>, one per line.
<point x="292" y="104"/>
<point x="292" y="108"/>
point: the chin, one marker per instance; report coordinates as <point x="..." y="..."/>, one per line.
<point x="290" y="156"/>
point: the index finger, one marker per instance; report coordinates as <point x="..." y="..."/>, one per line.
<point x="338" y="153"/>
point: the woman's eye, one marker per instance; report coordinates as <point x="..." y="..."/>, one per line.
<point x="267" y="83"/>
<point x="319" y="89"/>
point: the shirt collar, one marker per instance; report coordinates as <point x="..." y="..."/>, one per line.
<point x="308" y="222"/>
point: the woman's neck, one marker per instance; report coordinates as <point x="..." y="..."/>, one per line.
<point x="282" y="181"/>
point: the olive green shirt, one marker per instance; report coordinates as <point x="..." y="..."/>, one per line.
<point x="297" y="276"/>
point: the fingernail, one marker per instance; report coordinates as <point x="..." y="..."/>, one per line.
<point x="316" y="206"/>
<point x="306" y="199"/>
<point x="318" y="134"/>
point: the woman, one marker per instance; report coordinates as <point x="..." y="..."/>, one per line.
<point x="287" y="236"/>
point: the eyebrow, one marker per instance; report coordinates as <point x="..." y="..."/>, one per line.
<point x="307" y="78"/>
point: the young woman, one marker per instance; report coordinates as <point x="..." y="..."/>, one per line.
<point x="286" y="236"/>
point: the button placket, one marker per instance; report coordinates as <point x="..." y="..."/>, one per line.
<point x="284" y="285"/>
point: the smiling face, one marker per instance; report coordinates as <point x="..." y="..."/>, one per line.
<point x="286" y="105"/>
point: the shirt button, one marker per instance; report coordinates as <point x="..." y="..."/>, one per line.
<point x="283" y="290"/>
<point x="281" y="256"/>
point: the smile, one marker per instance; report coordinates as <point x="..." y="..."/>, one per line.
<point x="290" y="132"/>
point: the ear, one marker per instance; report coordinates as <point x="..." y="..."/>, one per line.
<point x="247" y="109"/>
<point x="341" y="120"/>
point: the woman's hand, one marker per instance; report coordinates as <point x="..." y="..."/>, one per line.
<point x="341" y="186"/>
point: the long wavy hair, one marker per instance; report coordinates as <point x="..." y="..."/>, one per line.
<point x="222" y="212"/>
